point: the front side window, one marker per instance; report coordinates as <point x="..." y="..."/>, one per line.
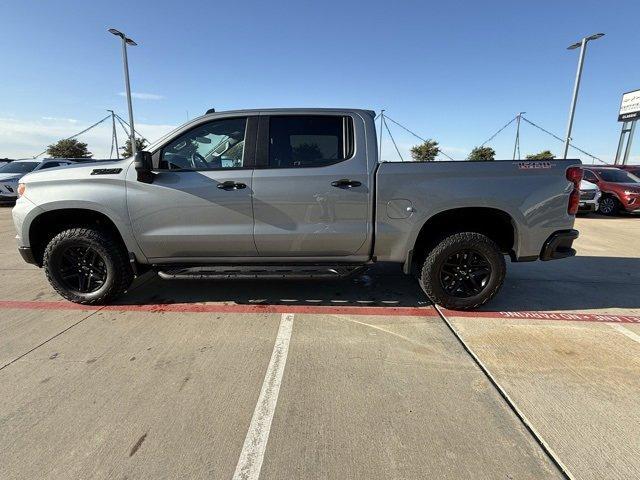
<point x="214" y="145"/>
<point x="309" y="141"/>
<point x="589" y="176"/>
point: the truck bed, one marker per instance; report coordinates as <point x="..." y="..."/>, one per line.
<point x="533" y="193"/>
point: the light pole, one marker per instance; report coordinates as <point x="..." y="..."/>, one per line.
<point x="127" y="41"/>
<point x="572" y="110"/>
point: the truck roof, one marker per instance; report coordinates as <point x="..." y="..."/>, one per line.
<point x="294" y="110"/>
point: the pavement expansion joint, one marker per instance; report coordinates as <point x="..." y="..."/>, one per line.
<point x="510" y="402"/>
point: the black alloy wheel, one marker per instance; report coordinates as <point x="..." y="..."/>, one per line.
<point x="465" y="273"/>
<point x="82" y="269"/>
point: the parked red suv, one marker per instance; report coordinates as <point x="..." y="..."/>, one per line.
<point x="620" y="189"/>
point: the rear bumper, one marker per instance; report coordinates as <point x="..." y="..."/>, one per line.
<point x="558" y="245"/>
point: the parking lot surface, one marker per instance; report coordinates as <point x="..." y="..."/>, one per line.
<point x="360" y="378"/>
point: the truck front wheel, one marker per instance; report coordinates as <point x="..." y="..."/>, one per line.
<point x="87" y="266"/>
<point x="464" y="271"/>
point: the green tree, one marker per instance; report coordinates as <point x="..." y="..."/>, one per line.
<point x="482" y="154"/>
<point x="70" y="148"/>
<point x="543" y="155"/>
<point x="426" y="151"/>
<point x="141" y="144"/>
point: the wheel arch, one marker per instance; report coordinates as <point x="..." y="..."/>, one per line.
<point x="496" y="224"/>
<point x="49" y="223"/>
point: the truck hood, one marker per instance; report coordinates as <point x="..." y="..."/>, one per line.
<point x="75" y="171"/>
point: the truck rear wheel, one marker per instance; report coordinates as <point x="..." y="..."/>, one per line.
<point x="87" y="266"/>
<point x="464" y="271"/>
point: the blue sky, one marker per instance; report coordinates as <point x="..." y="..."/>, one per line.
<point x="453" y="71"/>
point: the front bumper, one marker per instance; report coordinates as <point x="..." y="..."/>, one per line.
<point x="631" y="203"/>
<point x="27" y="255"/>
<point x="8" y="191"/>
<point x="8" y="198"/>
<point x="558" y="245"/>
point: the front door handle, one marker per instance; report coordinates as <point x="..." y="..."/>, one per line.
<point x="231" y="185"/>
<point x="346" y="183"/>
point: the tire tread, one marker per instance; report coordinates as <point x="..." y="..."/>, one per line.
<point x="466" y="240"/>
<point x="123" y="276"/>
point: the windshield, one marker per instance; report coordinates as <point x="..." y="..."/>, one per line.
<point x="618" y="176"/>
<point x="18" y="167"/>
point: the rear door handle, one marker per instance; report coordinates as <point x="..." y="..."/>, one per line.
<point x="346" y="183"/>
<point x="231" y="185"/>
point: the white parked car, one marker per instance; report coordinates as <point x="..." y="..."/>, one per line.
<point x="589" y="197"/>
<point x="11" y="173"/>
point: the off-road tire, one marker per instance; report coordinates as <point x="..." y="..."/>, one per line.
<point x="609" y="211"/>
<point x="430" y="273"/>
<point x="112" y="253"/>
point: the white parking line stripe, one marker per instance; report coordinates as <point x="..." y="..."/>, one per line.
<point x="255" y="443"/>
<point x="625" y="331"/>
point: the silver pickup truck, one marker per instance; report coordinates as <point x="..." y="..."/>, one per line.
<point x="292" y="193"/>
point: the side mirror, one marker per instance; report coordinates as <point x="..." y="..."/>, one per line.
<point x="143" y="165"/>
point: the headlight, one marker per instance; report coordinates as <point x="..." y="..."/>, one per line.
<point x="21" y="188"/>
<point x="631" y="192"/>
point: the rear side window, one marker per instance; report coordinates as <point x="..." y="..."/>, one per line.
<point x="309" y="141"/>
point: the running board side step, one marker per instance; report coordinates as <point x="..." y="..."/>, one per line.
<point x="228" y="272"/>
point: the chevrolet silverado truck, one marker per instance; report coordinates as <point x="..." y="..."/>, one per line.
<point x="292" y="193"/>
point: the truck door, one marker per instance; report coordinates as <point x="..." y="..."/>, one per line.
<point x="312" y="193"/>
<point x="199" y="204"/>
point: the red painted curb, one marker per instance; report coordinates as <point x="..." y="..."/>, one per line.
<point x="536" y="315"/>
<point x="318" y="309"/>
<point x="221" y="308"/>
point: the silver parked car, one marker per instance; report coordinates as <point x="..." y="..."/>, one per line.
<point x="292" y="193"/>
<point x="11" y="173"/>
<point x="589" y="197"/>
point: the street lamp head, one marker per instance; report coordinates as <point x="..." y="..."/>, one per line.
<point x="595" y="36"/>
<point x="118" y="33"/>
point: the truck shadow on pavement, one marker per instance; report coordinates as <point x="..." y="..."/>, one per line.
<point x="379" y="287"/>
<point x="579" y="283"/>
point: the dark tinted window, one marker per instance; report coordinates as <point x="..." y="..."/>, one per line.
<point x="309" y="141"/>
<point x="618" y="176"/>
<point x="589" y="176"/>
<point x="213" y="145"/>
<point x="51" y="165"/>
<point x="18" y="167"/>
